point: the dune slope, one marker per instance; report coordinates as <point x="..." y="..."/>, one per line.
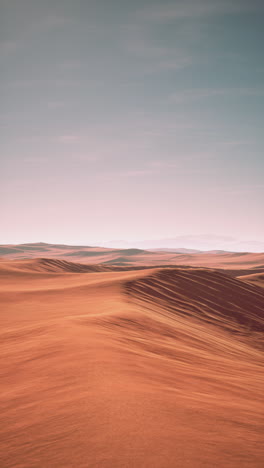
<point x="254" y="278"/>
<point x="152" y="368"/>
<point x="206" y="295"/>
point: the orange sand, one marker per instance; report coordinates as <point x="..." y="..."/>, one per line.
<point x="153" y="368"/>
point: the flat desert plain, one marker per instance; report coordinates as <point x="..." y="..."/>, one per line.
<point x="126" y="358"/>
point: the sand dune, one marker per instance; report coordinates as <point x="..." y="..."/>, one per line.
<point x="133" y="257"/>
<point x="47" y="265"/>
<point x="107" y="366"/>
<point x="254" y="278"/>
<point x="206" y="295"/>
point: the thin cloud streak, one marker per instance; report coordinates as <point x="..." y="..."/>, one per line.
<point x="196" y="94"/>
<point x="198" y="9"/>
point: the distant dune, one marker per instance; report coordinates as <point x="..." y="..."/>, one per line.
<point x="175" y="250"/>
<point x="117" y="363"/>
<point x="133" y="257"/>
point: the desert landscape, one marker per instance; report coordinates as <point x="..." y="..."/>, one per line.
<point x="130" y="358"/>
<point x="131" y="241"/>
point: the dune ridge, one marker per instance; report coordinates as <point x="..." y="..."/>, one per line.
<point x="256" y="278"/>
<point x="133" y="257"/>
<point x="206" y="295"/>
<point x="112" y="366"/>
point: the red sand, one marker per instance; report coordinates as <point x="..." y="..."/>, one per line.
<point x="153" y="368"/>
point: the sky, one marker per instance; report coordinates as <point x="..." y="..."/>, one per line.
<point x="131" y="120"/>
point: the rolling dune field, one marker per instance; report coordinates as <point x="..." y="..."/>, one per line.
<point x="110" y="365"/>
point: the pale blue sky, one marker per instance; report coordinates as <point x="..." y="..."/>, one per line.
<point x="131" y="120"/>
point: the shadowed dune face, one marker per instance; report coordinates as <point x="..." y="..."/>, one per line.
<point x="206" y="295"/>
<point x="107" y="366"/>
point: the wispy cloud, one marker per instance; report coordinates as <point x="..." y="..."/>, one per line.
<point x="55" y="21"/>
<point x="159" y="165"/>
<point x="196" y="94"/>
<point x="197" y="9"/>
<point x="37" y="82"/>
<point x="134" y="173"/>
<point x="56" y="104"/>
<point x="152" y="55"/>
<point x="84" y="157"/>
<point x="233" y="143"/>
<point x="138" y="36"/>
<point x="69" y="139"/>
<point x="241" y="189"/>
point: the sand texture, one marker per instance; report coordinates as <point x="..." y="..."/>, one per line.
<point x="114" y="365"/>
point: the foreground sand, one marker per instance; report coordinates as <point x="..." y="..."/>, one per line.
<point x="153" y="368"/>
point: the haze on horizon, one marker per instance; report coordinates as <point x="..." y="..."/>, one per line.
<point x="131" y="120"/>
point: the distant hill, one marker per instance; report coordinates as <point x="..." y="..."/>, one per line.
<point x="180" y="250"/>
<point x="134" y="257"/>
